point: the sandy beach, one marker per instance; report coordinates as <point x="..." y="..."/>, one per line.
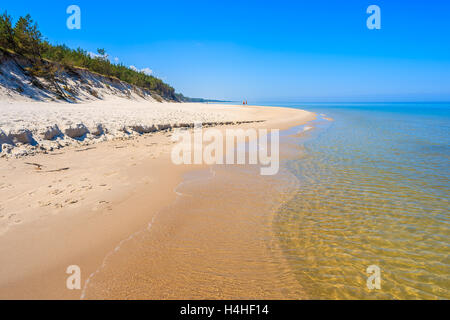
<point x="75" y="200"/>
<point x="224" y="160"/>
<point x="28" y="128"/>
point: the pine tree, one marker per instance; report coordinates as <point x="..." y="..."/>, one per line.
<point x="6" y="32"/>
<point x="28" y="37"/>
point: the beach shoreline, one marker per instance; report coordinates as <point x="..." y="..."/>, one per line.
<point x="75" y="205"/>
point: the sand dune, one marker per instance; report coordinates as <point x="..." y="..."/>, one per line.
<point x="38" y="127"/>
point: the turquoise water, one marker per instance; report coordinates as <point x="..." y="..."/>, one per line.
<point x="374" y="190"/>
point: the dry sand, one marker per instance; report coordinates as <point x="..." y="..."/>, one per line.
<point x="39" y="127"/>
<point x="76" y="204"/>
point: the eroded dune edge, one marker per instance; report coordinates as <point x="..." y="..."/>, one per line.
<point x="74" y="106"/>
<point x="29" y="128"/>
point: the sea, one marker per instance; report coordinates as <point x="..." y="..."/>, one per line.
<point x="374" y="191"/>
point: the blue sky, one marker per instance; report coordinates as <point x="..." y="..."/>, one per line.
<point x="267" y="50"/>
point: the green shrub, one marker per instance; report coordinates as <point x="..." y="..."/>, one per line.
<point x="26" y="39"/>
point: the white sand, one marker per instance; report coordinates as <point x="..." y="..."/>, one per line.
<point x="32" y="127"/>
<point x="35" y="117"/>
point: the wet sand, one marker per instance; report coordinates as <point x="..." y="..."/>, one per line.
<point x="79" y="207"/>
<point x="214" y="242"/>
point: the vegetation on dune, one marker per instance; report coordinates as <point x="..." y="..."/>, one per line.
<point x="24" y="38"/>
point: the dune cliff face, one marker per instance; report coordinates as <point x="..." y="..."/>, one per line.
<point x="19" y="80"/>
<point x="45" y="106"/>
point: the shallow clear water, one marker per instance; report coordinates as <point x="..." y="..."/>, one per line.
<point x="364" y="185"/>
<point x="374" y="190"/>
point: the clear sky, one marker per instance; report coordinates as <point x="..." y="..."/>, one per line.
<point x="301" y="50"/>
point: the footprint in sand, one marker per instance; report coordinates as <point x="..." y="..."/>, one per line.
<point x="6" y="186"/>
<point x="70" y="201"/>
<point x="101" y="203"/>
<point x="57" y="192"/>
<point x="44" y="204"/>
<point x="13" y="218"/>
